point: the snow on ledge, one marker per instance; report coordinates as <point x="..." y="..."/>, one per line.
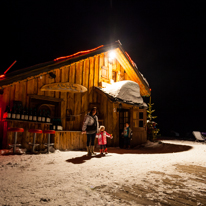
<point x="126" y="90"/>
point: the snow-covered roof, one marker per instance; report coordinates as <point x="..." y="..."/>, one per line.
<point x="126" y="91"/>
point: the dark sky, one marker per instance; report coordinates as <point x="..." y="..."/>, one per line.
<point x="164" y="38"/>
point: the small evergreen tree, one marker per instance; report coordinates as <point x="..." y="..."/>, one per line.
<point x="150" y="111"/>
<point x="152" y="130"/>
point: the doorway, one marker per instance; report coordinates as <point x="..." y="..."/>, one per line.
<point x="124" y="117"/>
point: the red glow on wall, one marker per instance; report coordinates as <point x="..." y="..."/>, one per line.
<point x="2" y="108"/>
<point x="77" y="54"/>
<point x="4" y="115"/>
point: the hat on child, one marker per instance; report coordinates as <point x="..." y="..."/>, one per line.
<point x="101" y="127"/>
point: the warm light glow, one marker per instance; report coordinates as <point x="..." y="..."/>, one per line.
<point x="112" y="55"/>
<point x="1" y="76"/>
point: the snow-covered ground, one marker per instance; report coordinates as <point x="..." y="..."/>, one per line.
<point x="71" y="178"/>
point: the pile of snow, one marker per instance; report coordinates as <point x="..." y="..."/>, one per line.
<point x="126" y="90"/>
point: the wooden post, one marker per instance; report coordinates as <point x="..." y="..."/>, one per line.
<point x="40" y="83"/>
<point x="96" y="75"/>
<point x="57" y="79"/>
<point x="78" y="98"/>
<point x="64" y="78"/>
<point x="101" y="63"/>
<point x="70" y="97"/>
<point x="91" y="78"/>
<point x="110" y="120"/>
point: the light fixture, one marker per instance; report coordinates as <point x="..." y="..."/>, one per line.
<point x="112" y="55"/>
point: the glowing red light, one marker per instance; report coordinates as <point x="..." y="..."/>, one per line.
<point x="150" y="89"/>
<point x="3" y="75"/>
<point x="130" y="58"/>
<point x="10" y="67"/>
<point x="78" y="53"/>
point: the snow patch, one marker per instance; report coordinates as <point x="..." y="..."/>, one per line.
<point x="117" y="179"/>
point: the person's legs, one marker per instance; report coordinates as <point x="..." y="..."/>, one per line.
<point x="105" y="149"/>
<point x="128" y="142"/>
<point x="93" y="138"/>
<point x="101" y="149"/>
<point x="88" y="141"/>
<point x="125" y="142"/>
<point x="92" y="142"/>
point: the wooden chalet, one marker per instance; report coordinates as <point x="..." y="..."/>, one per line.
<point x="89" y="71"/>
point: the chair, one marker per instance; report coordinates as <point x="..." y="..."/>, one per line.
<point x="48" y="138"/>
<point x="198" y="136"/>
<point x="35" y="131"/>
<point x="15" y="130"/>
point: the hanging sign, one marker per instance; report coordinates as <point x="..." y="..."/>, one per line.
<point x="64" y="87"/>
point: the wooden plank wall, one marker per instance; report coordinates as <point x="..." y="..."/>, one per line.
<point x="74" y="141"/>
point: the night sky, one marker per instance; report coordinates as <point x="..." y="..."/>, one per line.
<point x="164" y="38"/>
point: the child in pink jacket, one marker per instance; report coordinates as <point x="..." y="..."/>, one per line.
<point x="102" y="139"/>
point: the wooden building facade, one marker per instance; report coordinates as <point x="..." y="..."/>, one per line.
<point x="90" y="69"/>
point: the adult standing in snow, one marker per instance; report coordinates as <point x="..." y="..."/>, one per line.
<point x="91" y="127"/>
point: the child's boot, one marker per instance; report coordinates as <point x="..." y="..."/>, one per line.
<point x="101" y="151"/>
<point x="105" y="151"/>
